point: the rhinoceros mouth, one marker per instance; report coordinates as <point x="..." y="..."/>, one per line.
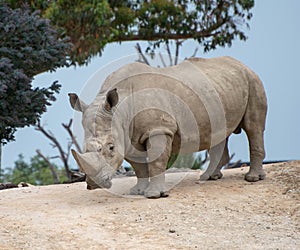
<point x="94" y="185"/>
<point x="106" y="185"/>
<point x="101" y="177"/>
<point x="103" y="181"/>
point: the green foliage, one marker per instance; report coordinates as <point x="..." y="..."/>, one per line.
<point x="28" y="46"/>
<point x="88" y="23"/>
<point x="36" y="172"/>
<point x="29" y="41"/>
<point x="20" y="104"/>
<point x="92" y="24"/>
<point x="192" y="161"/>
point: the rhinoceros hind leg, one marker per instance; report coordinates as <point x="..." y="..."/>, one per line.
<point x="257" y="154"/>
<point x="255" y="132"/>
<point x="254" y="125"/>
<point x="255" y="175"/>
<point x="216" y="175"/>
<point x="219" y="156"/>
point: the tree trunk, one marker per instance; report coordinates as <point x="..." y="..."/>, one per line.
<point x="0" y="161"/>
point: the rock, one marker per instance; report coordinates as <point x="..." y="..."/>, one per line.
<point x="7" y="185"/>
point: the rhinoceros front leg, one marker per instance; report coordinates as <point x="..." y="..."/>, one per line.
<point x="142" y="174"/>
<point x="159" y="151"/>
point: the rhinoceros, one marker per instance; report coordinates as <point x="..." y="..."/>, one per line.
<point x="144" y="115"/>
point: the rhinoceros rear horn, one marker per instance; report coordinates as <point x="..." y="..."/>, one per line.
<point x="87" y="162"/>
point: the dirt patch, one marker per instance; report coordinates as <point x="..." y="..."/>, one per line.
<point x="226" y="214"/>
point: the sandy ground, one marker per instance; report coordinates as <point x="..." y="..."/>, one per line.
<point x="226" y="214"/>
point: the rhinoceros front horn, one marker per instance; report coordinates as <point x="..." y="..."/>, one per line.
<point x="88" y="162"/>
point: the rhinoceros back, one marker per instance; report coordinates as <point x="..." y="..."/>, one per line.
<point x="211" y="92"/>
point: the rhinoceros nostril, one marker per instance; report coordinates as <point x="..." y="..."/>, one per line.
<point x="107" y="178"/>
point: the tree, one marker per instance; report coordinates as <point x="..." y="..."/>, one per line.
<point x="166" y="59"/>
<point x="28" y="46"/>
<point x="63" y="154"/>
<point x="92" y="24"/>
<point x="36" y="172"/>
<point x="41" y="170"/>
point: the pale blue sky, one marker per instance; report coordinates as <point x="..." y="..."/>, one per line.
<point x="272" y="51"/>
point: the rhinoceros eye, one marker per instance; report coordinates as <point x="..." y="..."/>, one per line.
<point x="111" y="147"/>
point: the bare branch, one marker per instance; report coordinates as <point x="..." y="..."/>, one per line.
<point x="73" y="138"/>
<point x="54" y="157"/>
<point x="195" y="52"/>
<point x="206" y="158"/>
<point x="141" y="54"/>
<point x="52" y="169"/>
<point x="69" y="150"/>
<point x="162" y="60"/>
<point x="178" y="44"/>
<point x="169" y="53"/>
<point x="206" y="33"/>
<point x="50" y="133"/>
<point x="51" y="137"/>
<point x="231" y="157"/>
<point x="233" y="165"/>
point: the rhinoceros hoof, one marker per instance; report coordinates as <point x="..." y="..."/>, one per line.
<point x="164" y="194"/>
<point x="253" y="178"/>
<point x="204" y="177"/>
<point x="216" y="176"/>
<point x="155" y="194"/>
<point x="139" y="189"/>
<point x="152" y="194"/>
<point x="136" y="191"/>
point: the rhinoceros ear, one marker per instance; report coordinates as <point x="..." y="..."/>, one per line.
<point x="76" y="103"/>
<point x="112" y="99"/>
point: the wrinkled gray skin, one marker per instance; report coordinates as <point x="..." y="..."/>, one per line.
<point x="144" y="114"/>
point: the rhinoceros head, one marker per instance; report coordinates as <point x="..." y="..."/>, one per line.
<point x="100" y="158"/>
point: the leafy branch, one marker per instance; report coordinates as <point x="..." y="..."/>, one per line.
<point x="93" y="24"/>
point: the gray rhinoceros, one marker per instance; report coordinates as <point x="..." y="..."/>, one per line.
<point x="144" y="114"/>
